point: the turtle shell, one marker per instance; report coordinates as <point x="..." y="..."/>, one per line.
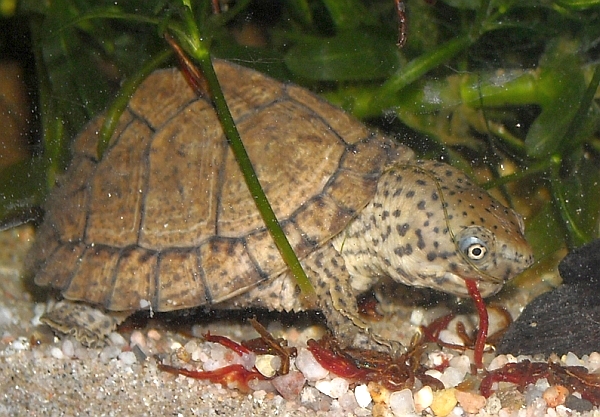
<point x="165" y="221"/>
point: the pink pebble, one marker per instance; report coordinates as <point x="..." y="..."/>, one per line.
<point x="290" y="385"/>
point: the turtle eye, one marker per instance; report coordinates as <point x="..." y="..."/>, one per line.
<point x="474" y="248"/>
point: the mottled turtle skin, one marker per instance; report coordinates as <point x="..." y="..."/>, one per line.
<point x="165" y="222"/>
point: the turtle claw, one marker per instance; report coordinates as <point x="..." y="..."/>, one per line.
<point x="87" y="324"/>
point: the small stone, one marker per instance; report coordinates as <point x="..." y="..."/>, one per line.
<point x="57" y="353"/>
<point x="443" y="402"/>
<point x="308" y="365"/>
<point x="311" y="398"/>
<point x="259" y="395"/>
<point x="555" y="395"/>
<point x="494" y="405"/>
<point x="417" y="317"/>
<point x="423" y="398"/>
<point x="139" y="353"/>
<point x="348" y="401"/>
<point x="461" y="363"/>
<point x="470" y="402"/>
<point x="537" y="408"/>
<point x="339" y="386"/>
<point x="434" y="373"/>
<point x="191" y="347"/>
<point x="497" y="363"/>
<point x="154" y="334"/>
<point x="137" y="338"/>
<point x="108" y="353"/>
<point x="402" y="403"/>
<point x="362" y="395"/>
<point x="578" y="404"/>
<point x="594" y="362"/>
<point x="20" y="344"/>
<point x="379" y="393"/>
<point x="117" y="339"/>
<point x="324" y="386"/>
<point x="265" y="364"/>
<point x="380" y="410"/>
<point x="572" y="360"/>
<point x="128" y="358"/>
<point x="261" y="385"/>
<point x="290" y="385"/>
<point x="451" y="377"/>
<point x="452" y="338"/>
<point x="68" y="349"/>
<point x="247" y="360"/>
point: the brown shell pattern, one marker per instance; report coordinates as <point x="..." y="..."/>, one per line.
<point x="165" y="220"/>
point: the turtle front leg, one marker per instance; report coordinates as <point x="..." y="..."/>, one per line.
<point x="337" y="301"/>
<point x="89" y="325"/>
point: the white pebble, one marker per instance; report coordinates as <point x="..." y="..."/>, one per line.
<point x="537" y="408"/>
<point x="402" y="403"/>
<point x="362" y="395"/>
<point x="308" y="365"/>
<point x="452" y="377"/>
<point x="416" y="317"/>
<point x="7" y="317"/>
<point x="452" y="338"/>
<point x="137" y="338"/>
<point x="128" y="358"/>
<point x="20" y="344"/>
<point x="434" y="373"/>
<point x="68" y="349"/>
<point x="339" y="386"/>
<point x="57" y="353"/>
<point x="324" y="386"/>
<point x="117" y="339"/>
<point x="572" y="360"/>
<point x="498" y="362"/>
<point x="191" y="346"/>
<point x="259" y="395"/>
<point x="594" y="362"/>
<point x="247" y="360"/>
<point x="423" y="398"/>
<point x="154" y="334"/>
<point x="108" y="353"/>
<point x="462" y="363"/>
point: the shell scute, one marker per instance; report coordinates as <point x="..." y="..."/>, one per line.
<point x="227" y="268"/>
<point x="93" y="275"/>
<point x="348" y="128"/>
<point x="135" y="287"/>
<point x="116" y="191"/>
<point x="160" y="97"/>
<point x="59" y="265"/>
<point x="180" y="283"/>
<point x="181" y="196"/>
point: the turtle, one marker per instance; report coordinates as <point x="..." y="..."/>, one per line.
<point x="164" y="220"/>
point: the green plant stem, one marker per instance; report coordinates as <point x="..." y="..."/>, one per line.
<point x="386" y="96"/>
<point x="532" y="169"/>
<point x="55" y="150"/>
<point x="197" y="48"/>
<point x="512" y="88"/>
<point x="116" y="109"/>
<point x="578" y="121"/>
<point x="576" y="237"/>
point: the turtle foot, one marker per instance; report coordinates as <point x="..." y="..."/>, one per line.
<point x="89" y="325"/>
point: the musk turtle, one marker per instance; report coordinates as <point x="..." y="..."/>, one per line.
<point x="165" y="222"/>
